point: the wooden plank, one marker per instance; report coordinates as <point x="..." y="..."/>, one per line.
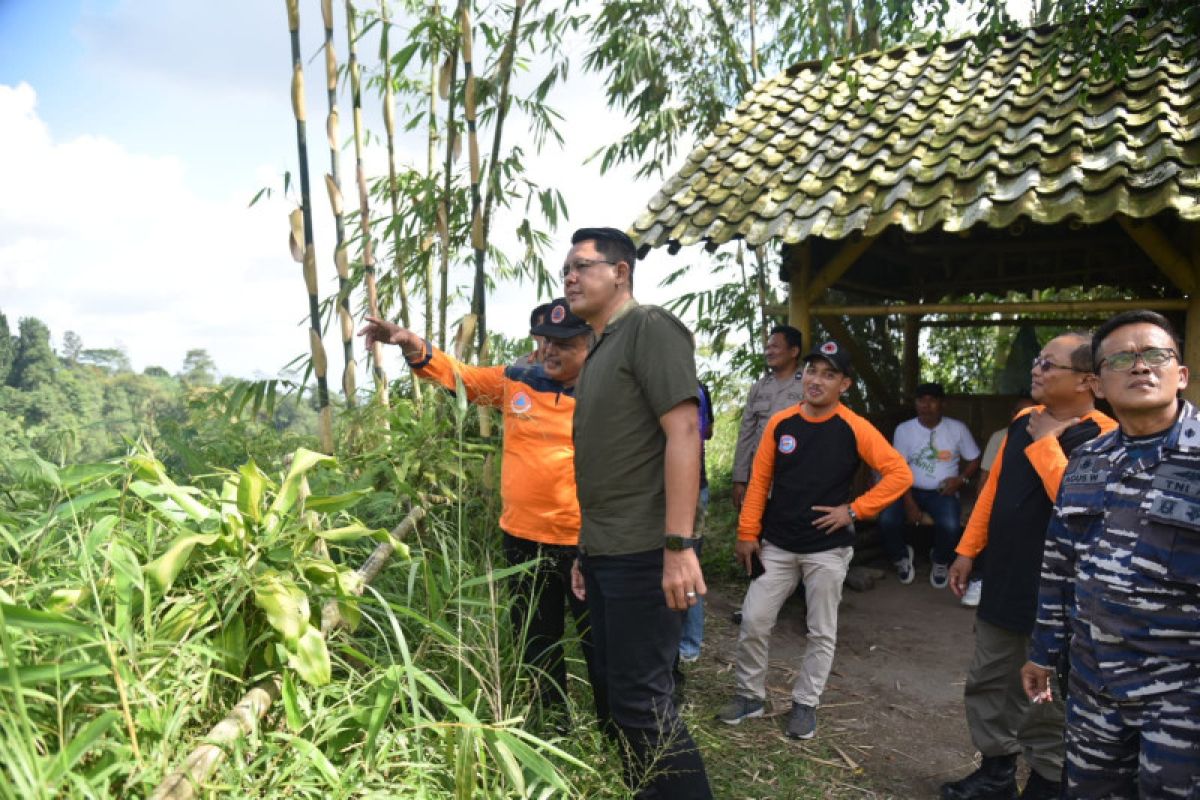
<point x="1170" y="260"/>
<point x="838" y="265"/>
<point x="863" y="364"/>
<point x="799" y="315"/>
<point x="1050" y="307"/>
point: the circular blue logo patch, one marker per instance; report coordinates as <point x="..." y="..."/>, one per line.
<point x="787" y="444"/>
<point x="558" y="314"/>
<point x="521" y="403"/>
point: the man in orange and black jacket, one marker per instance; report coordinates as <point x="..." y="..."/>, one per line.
<point x="540" y="516"/>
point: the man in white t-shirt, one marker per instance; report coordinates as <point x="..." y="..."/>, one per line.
<point x="943" y="458"/>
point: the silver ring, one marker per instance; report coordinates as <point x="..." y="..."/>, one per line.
<point x="690" y="594"/>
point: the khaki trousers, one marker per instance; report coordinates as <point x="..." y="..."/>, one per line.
<point x="823" y="575"/>
<point x="1000" y="716"/>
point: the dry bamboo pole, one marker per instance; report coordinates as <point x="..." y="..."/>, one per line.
<point x="478" y="238"/>
<point x="446" y="87"/>
<point x="364" y="201"/>
<point x="333" y="185"/>
<point x="505" y="69"/>
<point x="478" y="234"/>
<point x="308" y="255"/>
<point x="186" y="781"/>
<point x="431" y="169"/>
<point x="389" y="121"/>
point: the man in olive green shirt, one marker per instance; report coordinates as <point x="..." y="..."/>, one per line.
<point x="637" y="469"/>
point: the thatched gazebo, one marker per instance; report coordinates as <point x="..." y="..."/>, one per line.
<point x="926" y="173"/>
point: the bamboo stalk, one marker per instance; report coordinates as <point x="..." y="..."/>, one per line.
<point x="364" y="202"/>
<point x="431" y="170"/>
<point x="449" y="71"/>
<point x="333" y="184"/>
<point x="478" y="238"/>
<point x="185" y="782"/>
<point x="308" y="254"/>
<point x="389" y="122"/>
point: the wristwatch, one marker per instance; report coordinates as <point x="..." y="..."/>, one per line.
<point x="853" y="516"/>
<point x="673" y="541"/>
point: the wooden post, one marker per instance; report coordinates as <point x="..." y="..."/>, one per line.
<point x="800" y="275"/>
<point x="1191" y="331"/>
<point x="911" y="367"/>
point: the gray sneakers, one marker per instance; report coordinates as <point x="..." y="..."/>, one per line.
<point x="740" y="708"/>
<point x="939" y="574"/>
<point x="802" y="722"/>
<point x="904" y="568"/>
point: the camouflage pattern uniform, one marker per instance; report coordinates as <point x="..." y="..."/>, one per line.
<point x="1121" y="584"/>
<point x="767" y="398"/>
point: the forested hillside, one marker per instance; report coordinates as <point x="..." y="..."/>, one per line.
<point x="81" y="404"/>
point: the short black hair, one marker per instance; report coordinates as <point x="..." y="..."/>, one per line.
<point x="1081" y="356"/>
<point x="615" y="245"/>
<point x="792" y="336"/>
<point x="1134" y="317"/>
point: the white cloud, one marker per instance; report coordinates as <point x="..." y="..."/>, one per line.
<point x="117" y="247"/>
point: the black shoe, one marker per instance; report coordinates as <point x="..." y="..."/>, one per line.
<point x="1039" y="788"/>
<point x="996" y="779"/>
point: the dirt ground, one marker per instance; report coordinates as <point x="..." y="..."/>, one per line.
<point x="893" y="706"/>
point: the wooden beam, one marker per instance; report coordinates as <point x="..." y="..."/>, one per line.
<point x="799" y="316"/>
<point x="1052" y="307"/>
<point x="912" y="354"/>
<point x="1081" y="322"/>
<point x="1191" y="330"/>
<point x="863" y="364"/>
<point x="837" y="266"/>
<point x="1170" y="260"/>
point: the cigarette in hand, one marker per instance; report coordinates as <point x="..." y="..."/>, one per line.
<point x="1044" y="696"/>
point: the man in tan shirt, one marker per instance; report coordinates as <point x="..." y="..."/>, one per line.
<point x="767" y="397"/>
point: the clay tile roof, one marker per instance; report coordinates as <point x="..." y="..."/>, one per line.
<point x="927" y="139"/>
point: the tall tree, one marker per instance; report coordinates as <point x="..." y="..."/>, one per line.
<point x="72" y="347"/>
<point x="8" y="349"/>
<point x="198" y="368"/>
<point x="34" y="363"/>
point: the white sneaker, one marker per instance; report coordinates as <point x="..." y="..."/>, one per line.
<point x="904" y="568"/>
<point x="970" y="597"/>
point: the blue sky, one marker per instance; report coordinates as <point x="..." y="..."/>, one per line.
<point x="133" y="133"/>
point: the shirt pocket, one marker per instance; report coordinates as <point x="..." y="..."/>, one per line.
<point x="1168" y="544"/>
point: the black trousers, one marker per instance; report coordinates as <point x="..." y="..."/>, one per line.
<point x="541" y="601"/>
<point x="637" y="641"/>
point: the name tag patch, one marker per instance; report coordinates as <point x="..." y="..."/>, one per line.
<point x="1184" y="511"/>
<point x="1177" y="480"/>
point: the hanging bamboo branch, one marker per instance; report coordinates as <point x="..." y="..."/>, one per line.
<point x="307" y="254"/>
<point x="446" y="89"/>
<point x="364" y="200"/>
<point x="478" y="241"/>
<point x="333" y="184"/>
<point x="389" y="121"/>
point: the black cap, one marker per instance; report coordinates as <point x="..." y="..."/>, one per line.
<point x="930" y="390"/>
<point x="835" y="354"/>
<point x="560" y="323"/>
<point x="538" y="316"/>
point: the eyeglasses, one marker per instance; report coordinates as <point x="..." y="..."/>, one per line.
<point x="1046" y="364"/>
<point x="1124" y="360"/>
<point x="581" y="264"/>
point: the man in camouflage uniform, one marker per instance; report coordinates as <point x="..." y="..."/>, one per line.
<point x="1121" y="578"/>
